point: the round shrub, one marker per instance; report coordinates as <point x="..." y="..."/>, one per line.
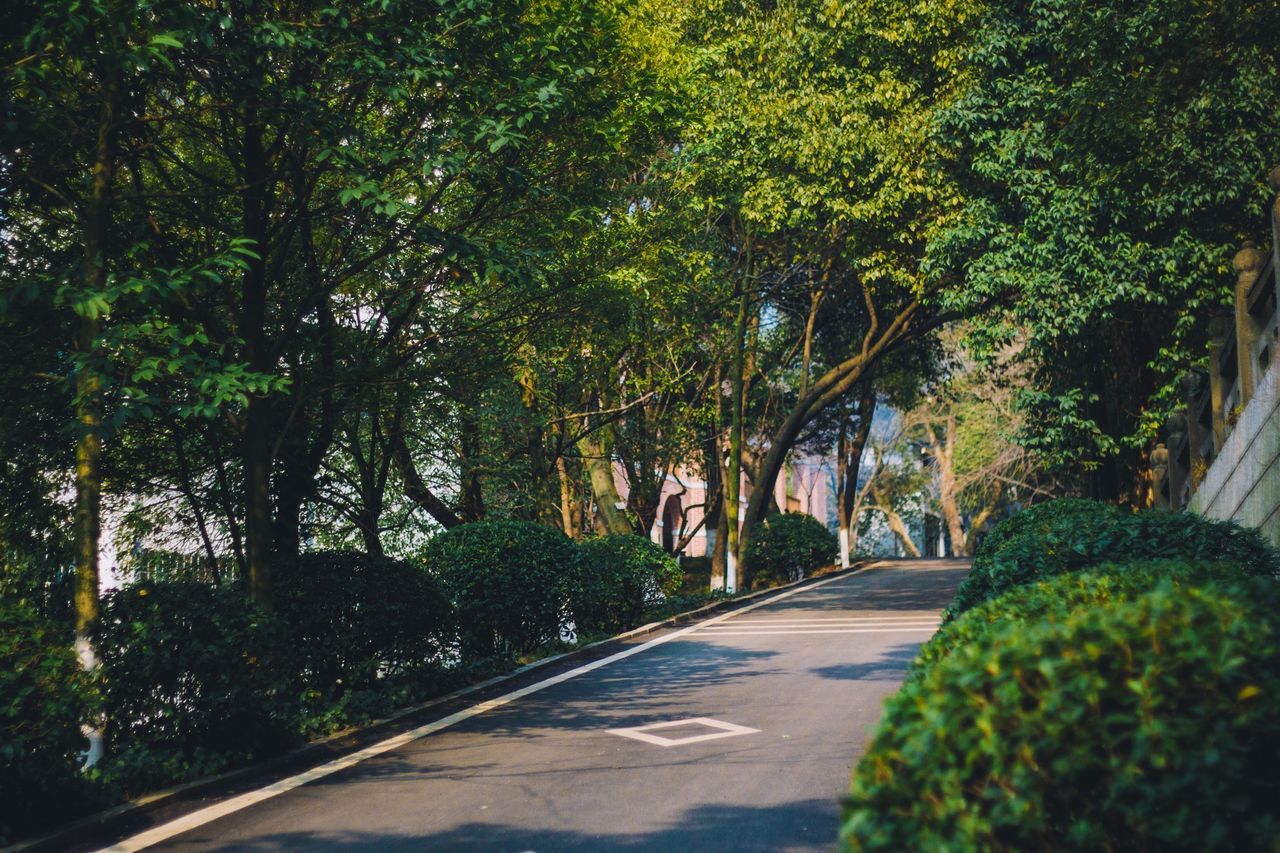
<point x="360" y="622"/>
<point x="1081" y="541"/>
<point x="1030" y="524"/>
<point x="508" y="581"/>
<point x="1038" y="518"/>
<point x="787" y="547"/>
<point x="194" y="678"/>
<point x="1042" y="601"/>
<point x="619" y="576"/>
<point x="1143" y="723"/>
<point x="44" y="699"/>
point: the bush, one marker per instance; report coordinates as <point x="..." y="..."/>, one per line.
<point x="361" y="623"/>
<point x="1077" y="541"/>
<point x="194" y="678"/>
<point x="619" y="577"/>
<point x="1038" y="518"/>
<point x="1142" y="723"/>
<point x="508" y="581"/>
<point x="696" y="575"/>
<point x="44" y="700"/>
<point x="1045" y="600"/>
<point x="787" y="547"/>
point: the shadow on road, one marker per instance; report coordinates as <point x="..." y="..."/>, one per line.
<point x="709" y="827"/>
<point x="891" y="666"/>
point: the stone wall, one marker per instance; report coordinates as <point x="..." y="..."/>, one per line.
<point x="1243" y="483"/>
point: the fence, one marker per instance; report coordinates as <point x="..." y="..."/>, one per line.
<point x="1222" y="456"/>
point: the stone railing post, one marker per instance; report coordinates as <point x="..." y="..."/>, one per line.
<point x="1220" y="328"/>
<point x="1176" y="429"/>
<point x="1275" y="222"/>
<point x="1191" y="385"/>
<point x="1159" y="470"/>
<point x="1247" y="264"/>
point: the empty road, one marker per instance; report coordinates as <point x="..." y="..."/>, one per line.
<point x="734" y="734"/>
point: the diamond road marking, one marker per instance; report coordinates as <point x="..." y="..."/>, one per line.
<point x="723" y="729"/>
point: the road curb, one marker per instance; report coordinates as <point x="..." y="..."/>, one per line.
<point x="323" y="749"/>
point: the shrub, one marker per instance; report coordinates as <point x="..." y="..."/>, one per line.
<point x="194" y="678"/>
<point x="787" y="547"/>
<point x="1045" y="600"/>
<point x="1038" y="518"/>
<point x="1141" y="723"/>
<point x="44" y="699"/>
<point x="47" y="588"/>
<point x="508" y="581"/>
<point x="1031" y="524"/>
<point x="1079" y="541"/>
<point x="619" y="576"/>
<point x="361" y="623"/>
<point x="697" y="575"/>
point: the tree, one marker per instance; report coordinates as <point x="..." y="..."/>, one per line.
<point x="1113" y="157"/>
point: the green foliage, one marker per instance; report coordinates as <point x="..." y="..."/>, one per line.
<point x="1043" y="600"/>
<point x="1082" y="539"/>
<point x="1113" y="155"/>
<point x="619" y="578"/>
<point x="44" y="699"/>
<point x="1143" y="722"/>
<point x="194" y="679"/>
<point x="787" y="547"/>
<point x="508" y="581"/>
<point x="360" y="623"/>
<point x="1038" y="518"/>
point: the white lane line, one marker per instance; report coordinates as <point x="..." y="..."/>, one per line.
<point x="211" y="813"/>
<point x="834" y="619"/>
<point x="822" y="630"/>
<point x="826" y="623"/>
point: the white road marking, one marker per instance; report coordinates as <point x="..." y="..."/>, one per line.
<point x="642" y="733"/>
<point x="824" y="624"/>
<point x="823" y="630"/>
<point x="211" y="813"/>
<point x="867" y="620"/>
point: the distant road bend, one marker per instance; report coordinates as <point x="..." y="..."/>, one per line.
<point x="738" y="733"/>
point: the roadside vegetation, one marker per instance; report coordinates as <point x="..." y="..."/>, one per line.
<point x="350" y="351"/>
<point x="1103" y="681"/>
<point x="193" y="682"/>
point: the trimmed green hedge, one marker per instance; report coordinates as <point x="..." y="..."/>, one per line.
<point x="44" y="699"/>
<point x="619" y="577"/>
<point x="1056" y="543"/>
<point x="508" y="581"/>
<point x="789" y="546"/>
<point x="1045" y="600"/>
<point x="1136" y="722"/>
<point x="194" y="679"/>
<point x="1039" y="518"/>
<point x="359" y="623"/>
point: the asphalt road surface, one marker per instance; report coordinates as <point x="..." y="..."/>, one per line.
<point x="748" y="729"/>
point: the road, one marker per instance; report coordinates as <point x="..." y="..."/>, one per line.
<point x="766" y="712"/>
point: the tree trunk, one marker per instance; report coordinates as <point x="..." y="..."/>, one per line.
<point x="733" y="469"/>
<point x="899" y="529"/>
<point x="257" y="487"/>
<point x="88" y="481"/>
<point x="948" y="497"/>
<point x="415" y="489"/>
<point x="826" y="390"/>
<point x="599" y="462"/>
<point x="88" y="404"/>
<point x="850" y="462"/>
<point x="570" y="507"/>
<point x="471" y="504"/>
<point x="256" y="447"/>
